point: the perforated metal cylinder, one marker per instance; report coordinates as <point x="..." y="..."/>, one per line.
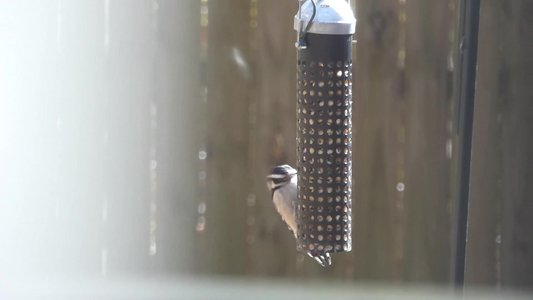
<point x="324" y="139"/>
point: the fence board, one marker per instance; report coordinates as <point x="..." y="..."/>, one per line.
<point x="500" y="246"/>
<point x="275" y="135"/>
<point x="428" y="120"/>
<point x="229" y="95"/>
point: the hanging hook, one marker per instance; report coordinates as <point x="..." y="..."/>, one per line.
<point x="301" y="42"/>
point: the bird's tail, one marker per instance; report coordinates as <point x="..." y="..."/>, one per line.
<point x="323" y="260"/>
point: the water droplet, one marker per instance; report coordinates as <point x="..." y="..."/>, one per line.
<point x="498" y="239"/>
<point x="449" y="147"/>
<point x="200" y="224"/>
<point x="400" y="187"/>
<point x="153" y="248"/>
<point x="202" y="207"/>
<point x="202" y="155"/>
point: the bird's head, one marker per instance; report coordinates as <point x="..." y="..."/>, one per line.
<point x="279" y="176"/>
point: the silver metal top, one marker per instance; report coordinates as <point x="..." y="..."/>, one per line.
<point x="332" y="17"/>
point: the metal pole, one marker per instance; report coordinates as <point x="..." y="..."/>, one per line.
<point x="464" y="93"/>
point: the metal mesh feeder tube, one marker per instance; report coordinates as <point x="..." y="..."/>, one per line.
<point x="324" y="126"/>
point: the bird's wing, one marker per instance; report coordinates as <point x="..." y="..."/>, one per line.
<point x="286" y="208"/>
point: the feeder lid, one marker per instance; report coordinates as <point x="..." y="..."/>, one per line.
<point x="332" y="17"/>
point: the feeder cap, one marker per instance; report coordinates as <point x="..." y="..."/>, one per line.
<point x="332" y="17"/>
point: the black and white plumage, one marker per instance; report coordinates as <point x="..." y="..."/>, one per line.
<point x="282" y="183"/>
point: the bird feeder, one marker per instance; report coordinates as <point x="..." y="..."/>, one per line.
<point x="324" y="127"/>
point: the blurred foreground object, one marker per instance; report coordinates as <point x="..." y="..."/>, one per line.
<point x="206" y="288"/>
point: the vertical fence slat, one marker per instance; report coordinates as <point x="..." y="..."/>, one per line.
<point x="276" y="129"/>
<point x="517" y="252"/>
<point x="229" y="81"/>
<point x="375" y="141"/>
<point x="428" y="117"/>
<point x="500" y="244"/>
